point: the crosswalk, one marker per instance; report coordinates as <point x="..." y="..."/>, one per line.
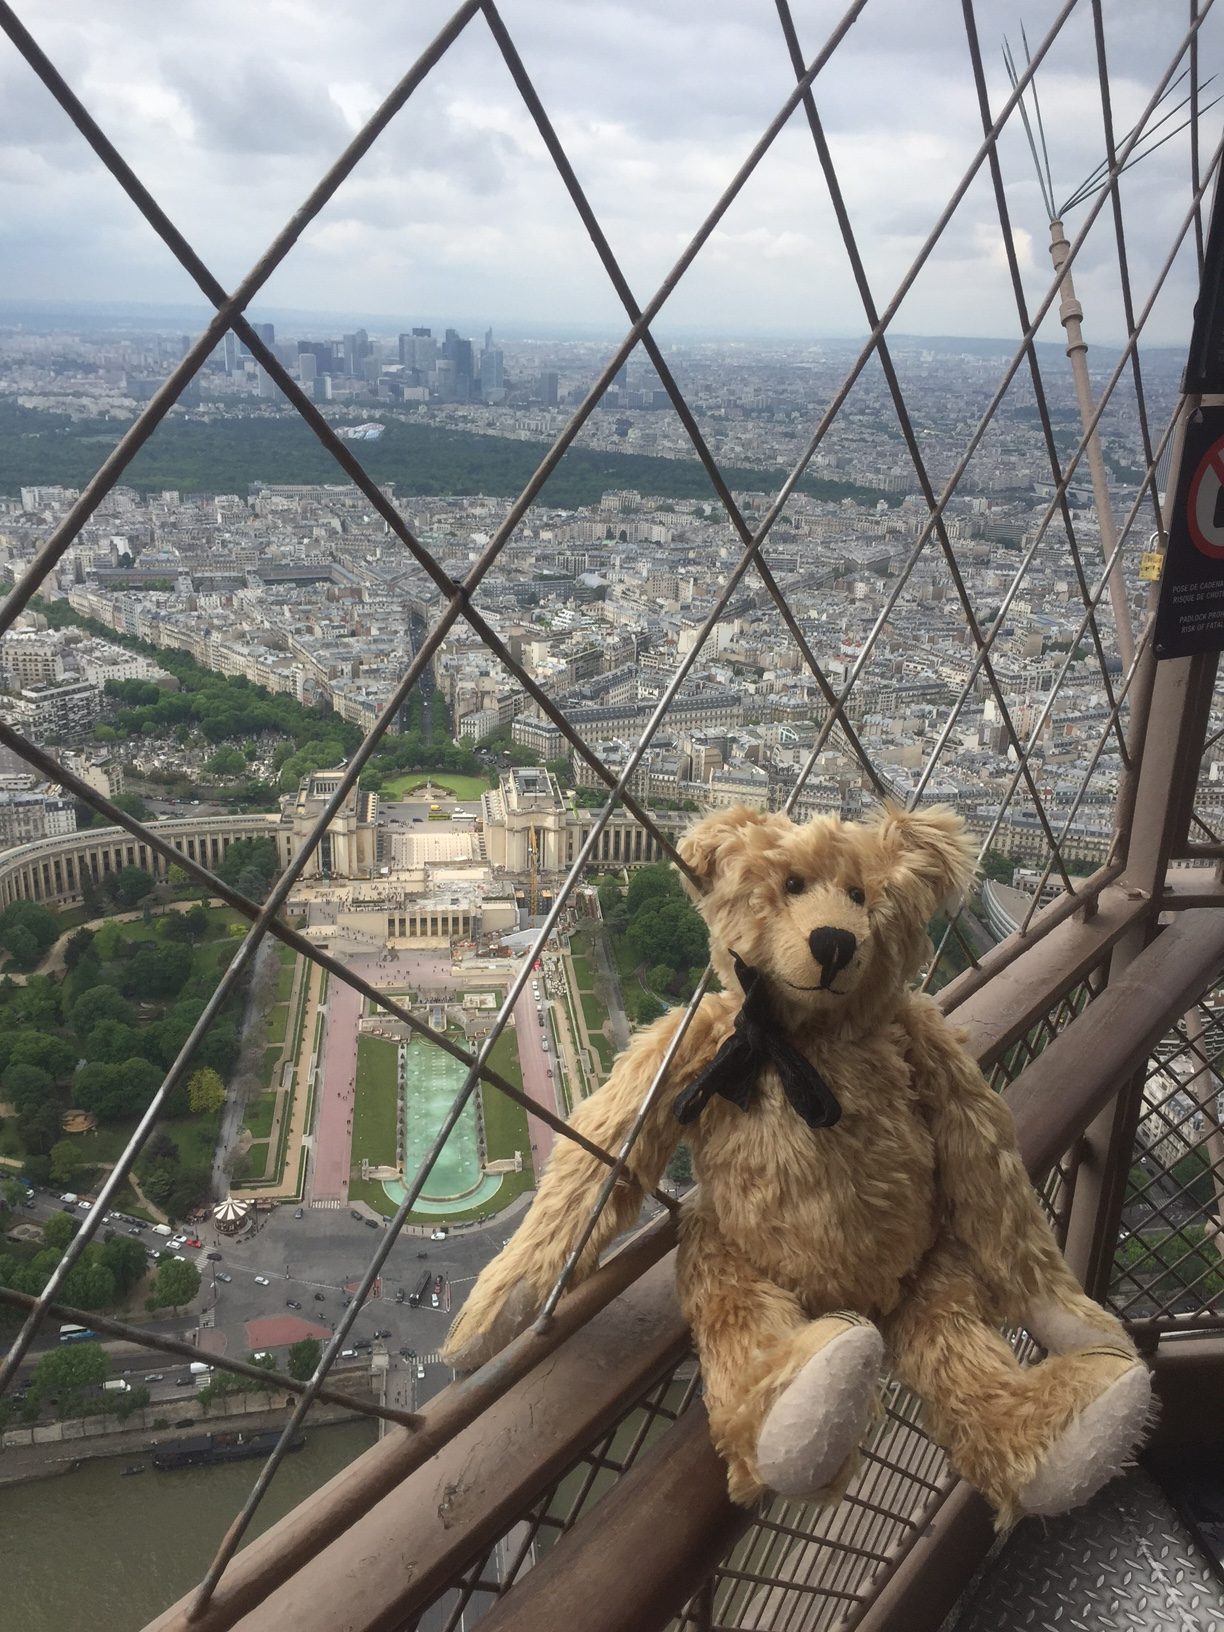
<point x="315" y="1203"/>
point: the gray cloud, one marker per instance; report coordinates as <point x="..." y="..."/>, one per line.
<point x="229" y="112"/>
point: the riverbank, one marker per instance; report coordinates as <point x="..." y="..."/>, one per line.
<point x="20" y="1464"/>
<point x="98" y="1550"/>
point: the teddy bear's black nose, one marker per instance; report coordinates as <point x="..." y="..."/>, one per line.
<point x="832" y="949"/>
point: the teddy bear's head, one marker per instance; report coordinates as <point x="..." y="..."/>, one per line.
<point x="834" y="914"/>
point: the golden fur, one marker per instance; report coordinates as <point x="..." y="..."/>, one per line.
<point x="913" y="1211"/>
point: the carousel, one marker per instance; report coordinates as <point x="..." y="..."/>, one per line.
<point x="229" y="1215"/>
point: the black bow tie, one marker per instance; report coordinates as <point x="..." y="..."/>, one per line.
<point x="755" y="1043"/>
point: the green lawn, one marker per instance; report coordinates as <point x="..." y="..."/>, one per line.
<point x="604" y="1049"/>
<point x="462" y="787"/>
<point x="257" y="1115"/>
<point x="284" y="979"/>
<point x="267" y="1067"/>
<point x="583" y="973"/>
<point x="196" y="1137"/>
<point x="374" y="1114"/>
<point x="258" y="1156"/>
<point x="278" y="1024"/>
<point x="594" y="1011"/>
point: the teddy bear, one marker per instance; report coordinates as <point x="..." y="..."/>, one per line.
<point x="859" y="1203"/>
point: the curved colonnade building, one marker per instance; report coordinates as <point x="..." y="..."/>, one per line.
<point x="528" y="826"/>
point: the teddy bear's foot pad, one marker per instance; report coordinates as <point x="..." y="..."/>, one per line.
<point x="1093" y="1448"/>
<point x="818" y="1420"/>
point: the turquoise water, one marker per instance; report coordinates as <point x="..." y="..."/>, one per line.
<point x="456" y="1183"/>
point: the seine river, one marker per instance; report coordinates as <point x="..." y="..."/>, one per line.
<point x="93" y="1549"/>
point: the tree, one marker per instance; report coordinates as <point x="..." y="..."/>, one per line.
<point x="205" y="1091"/>
<point x="304" y="1358"/>
<point x="67" y="1374"/>
<point x="27" y="1087"/>
<point x="40" y="1128"/>
<point x="59" y="1229"/>
<point x="67" y="1161"/>
<point x="99" y="1003"/>
<point x="125" y="1258"/>
<point x="76" y="946"/>
<point x="132" y="805"/>
<point x="40" y="1048"/>
<point x="157" y="971"/>
<point x="226" y="762"/>
<point x="130" y="885"/>
<point x="22" y="947"/>
<point x="111" y="1041"/>
<point x="36" y="928"/>
<point x="177" y="1284"/>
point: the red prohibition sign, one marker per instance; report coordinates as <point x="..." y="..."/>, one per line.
<point x="1206" y="531"/>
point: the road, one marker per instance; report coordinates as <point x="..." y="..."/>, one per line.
<point x="323" y="1252"/>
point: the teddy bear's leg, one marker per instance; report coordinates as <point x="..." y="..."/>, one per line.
<point x="1036" y="1439"/>
<point x="788" y="1398"/>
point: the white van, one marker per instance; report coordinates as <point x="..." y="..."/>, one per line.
<point x="162" y="1229"/>
<point x="116" y="1385"/>
<point x="197" y="1368"/>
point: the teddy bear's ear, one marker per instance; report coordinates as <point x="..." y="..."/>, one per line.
<point x="707" y="845"/>
<point x="928" y="848"/>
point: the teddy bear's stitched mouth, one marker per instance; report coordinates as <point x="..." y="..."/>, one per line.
<point x="795" y="987"/>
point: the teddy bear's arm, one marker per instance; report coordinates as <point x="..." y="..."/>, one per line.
<point x="511" y="1289"/>
<point x="992" y="1208"/>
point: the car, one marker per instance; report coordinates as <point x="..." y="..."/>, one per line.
<point x="370" y="1223"/>
<point x="262" y="1280"/>
<point x="292" y="1303"/>
<point x="222" y="1276"/>
<point x="420" y="1372"/>
<point x="84" y="1206"/>
<point x="353" y="1213"/>
<point x="182" y="1382"/>
<point x="193" y="1241"/>
<point x="214" y="1257"/>
<point x="346" y="1300"/>
<point x="438" y="1235"/>
<point x="399" y="1296"/>
<point x="362" y="1343"/>
<point x="186" y="1422"/>
<point x="136" y="1229"/>
<point x="299" y="1212"/>
<point x="155" y="1377"/>
<point x="179" y="1258"/>
<point x="383" y="1331"/>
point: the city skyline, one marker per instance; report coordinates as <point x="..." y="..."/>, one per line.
<point x="457" y="207"/>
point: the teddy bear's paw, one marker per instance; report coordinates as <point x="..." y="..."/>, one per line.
<point x="817" y="1421"/>
<point x="1094" y="1447"/>
<point x="468" y="1347"/>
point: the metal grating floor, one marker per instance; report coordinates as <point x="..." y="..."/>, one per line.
<point x="1126" y="1562"/>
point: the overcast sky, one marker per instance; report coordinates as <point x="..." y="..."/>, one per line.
<point x="229" y="110"/>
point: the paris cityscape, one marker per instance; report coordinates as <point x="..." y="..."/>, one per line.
<point x="236" y="616"/>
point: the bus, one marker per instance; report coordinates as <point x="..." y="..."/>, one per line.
<point x="76" y="1334"/>
<point x="463" y="815"/>
<point x="414" y="1297"/>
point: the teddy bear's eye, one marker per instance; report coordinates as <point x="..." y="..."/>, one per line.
<point x="856" y="895"/>
<point x="794" y="885"/>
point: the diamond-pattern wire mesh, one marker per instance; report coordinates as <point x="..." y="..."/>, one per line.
<point x="457" y="597"/>
<point x="555" y="1511"/>
<point x="1169" y="1265"/>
